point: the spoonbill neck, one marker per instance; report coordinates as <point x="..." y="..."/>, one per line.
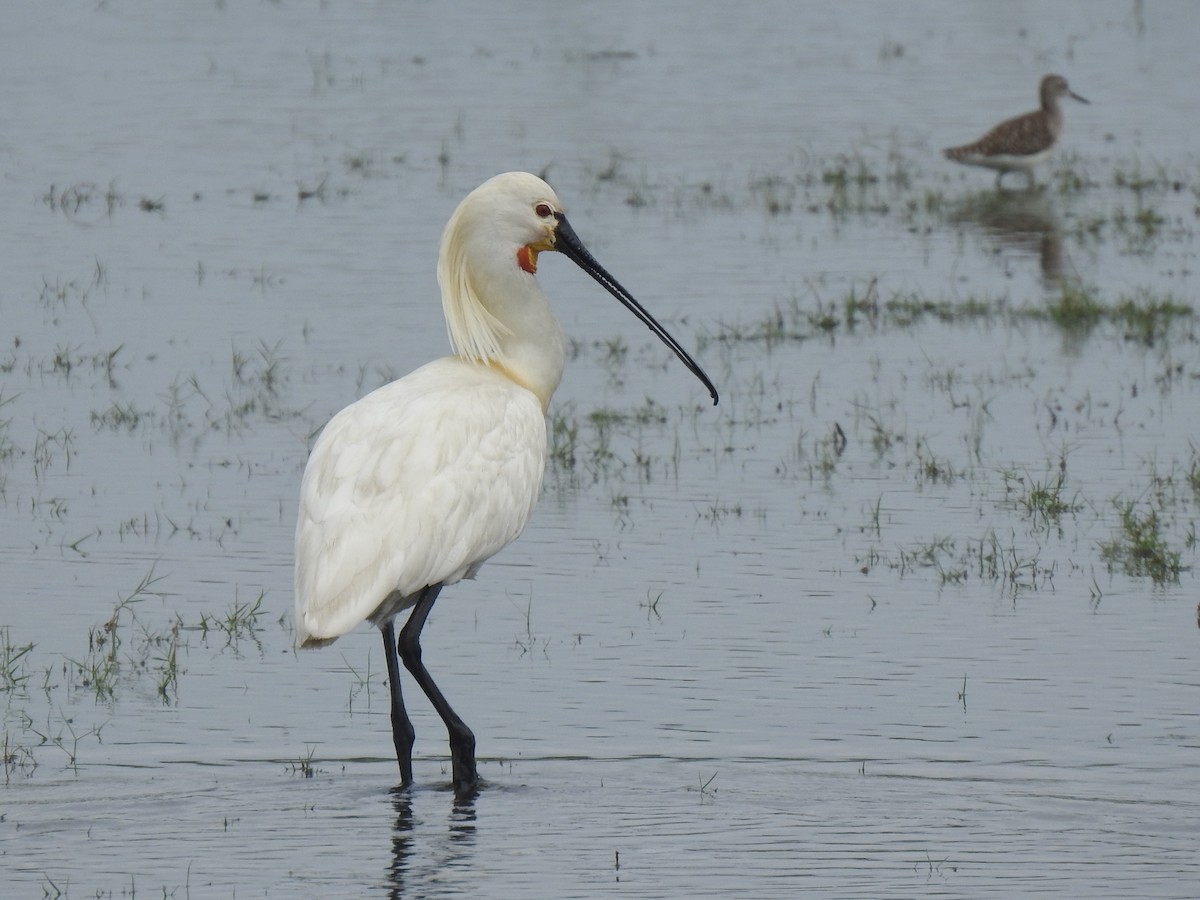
<point x="497" y="315"/>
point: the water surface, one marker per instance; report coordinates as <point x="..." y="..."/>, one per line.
<point x="730" y="655"/>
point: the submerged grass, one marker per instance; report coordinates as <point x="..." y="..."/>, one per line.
<point x="241" y="621"/>
<point x="14" y="672"/>
<point x="127" y="655"/>
<point x="1139" y="548"/>
<point x="1044" y="502"/>
<point x="607" y="443"/>
<point x="1076" y="309"/>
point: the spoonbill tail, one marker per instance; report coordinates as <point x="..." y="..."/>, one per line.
<point x="420" y="482"/>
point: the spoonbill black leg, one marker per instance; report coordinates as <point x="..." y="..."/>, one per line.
<point x="462" y="741"/>
<point x="403" y="734"/>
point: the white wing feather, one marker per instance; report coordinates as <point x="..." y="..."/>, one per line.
<point x="418" y="483"/>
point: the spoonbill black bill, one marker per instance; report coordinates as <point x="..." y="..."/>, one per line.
<point x="417" y="484"/>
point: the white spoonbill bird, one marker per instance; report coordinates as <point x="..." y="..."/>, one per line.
<point x="420" y="482"/>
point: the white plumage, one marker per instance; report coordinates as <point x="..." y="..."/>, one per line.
<point x="417" y="484"/>
<point x="427" y="478"/>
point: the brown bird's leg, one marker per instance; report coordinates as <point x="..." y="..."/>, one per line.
<point x="462" y="741"/>
<point x="403" y="734"/>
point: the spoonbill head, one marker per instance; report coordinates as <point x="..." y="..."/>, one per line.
<point x="495" y="313"/>
<point x="417" y="484"/>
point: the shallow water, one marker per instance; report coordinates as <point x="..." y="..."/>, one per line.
<point x="727" y="656"/>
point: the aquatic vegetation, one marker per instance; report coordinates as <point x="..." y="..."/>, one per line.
<point x="1148" y="318"/>
<point x="14" y="672"/>
<point x="781" y="323"/>
<point x="1069" y="175"/>
<point x="1192" y="475"/>
<point x="1044" y="502"/>
<point x="527" y="642"/>
<point x="704" y="787"/>
<point x="1075" y="309"/>
<point x="1139" y="548"/>
<point x="928" y="467"/>
<point x="717" y="512"/>
<point x="241" y="621"/>
<point x="84" y="201"/>
<point x="99" y="672"/>
<point x="126" y="655"/>
<point x="563" y="428"/>
<point x="121" y="417"/>
<point x="1131" y="175"/>
<point x="305" y="765"/>
<point x="17" y="758"/>
<point x="605" y="443"/>
<point x="304" y="192"/>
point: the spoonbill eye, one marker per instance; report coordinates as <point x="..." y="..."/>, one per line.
<point x="543" y="210"/>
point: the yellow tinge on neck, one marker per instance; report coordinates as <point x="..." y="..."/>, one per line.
<point x="512" y="376"/>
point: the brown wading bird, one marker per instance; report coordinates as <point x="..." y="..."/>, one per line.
<point x="1017" y="145"/>
<point x="420" y="482"/>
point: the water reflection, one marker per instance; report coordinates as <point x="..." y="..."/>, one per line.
<point x="402" y="839"/>
<point x="1024" y="221"/>
<point x="462" y="818"/>
<point x="416" y="872"/>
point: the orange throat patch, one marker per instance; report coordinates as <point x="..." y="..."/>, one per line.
<point x="527" y="259"/>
